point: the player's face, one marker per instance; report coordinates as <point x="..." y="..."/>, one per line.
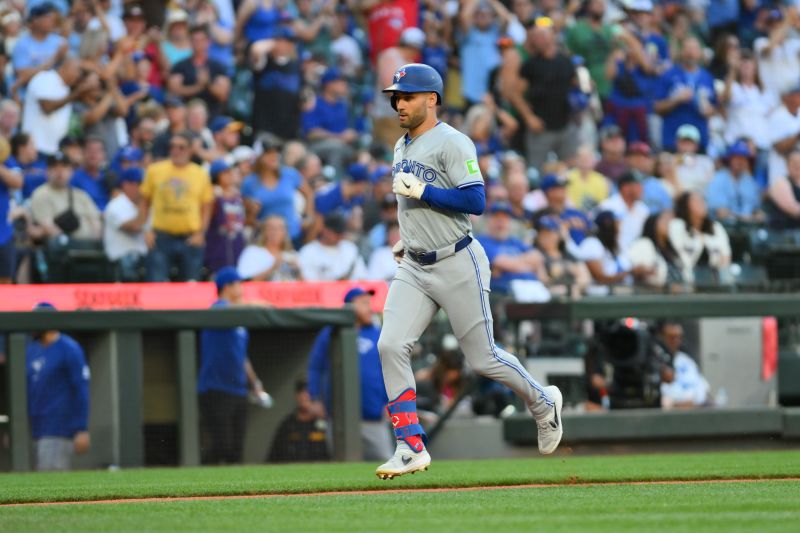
<point x="412" y="108"/>
<point x="362" y="308"/>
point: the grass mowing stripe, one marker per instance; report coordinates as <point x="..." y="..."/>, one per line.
<point x="142" y="483"/>
<point x="765" y="507"/>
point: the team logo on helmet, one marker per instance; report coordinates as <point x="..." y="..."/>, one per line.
<point x="400" y="74"/>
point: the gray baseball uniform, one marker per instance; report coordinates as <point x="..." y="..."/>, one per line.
<point x="457" y="282"/>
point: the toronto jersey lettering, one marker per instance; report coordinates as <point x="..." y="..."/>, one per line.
<point x="442" y="157"/>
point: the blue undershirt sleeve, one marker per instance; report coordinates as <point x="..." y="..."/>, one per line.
<point x="471" y="200"/>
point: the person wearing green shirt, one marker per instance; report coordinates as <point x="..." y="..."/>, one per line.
<point x="593" y="40"/>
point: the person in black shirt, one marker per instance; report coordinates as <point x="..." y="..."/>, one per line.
<point x="542" y="101"/>
<point x="301" y="437"/>
<point x="199" y="76"/>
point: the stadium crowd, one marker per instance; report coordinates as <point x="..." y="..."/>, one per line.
<point x="619" y="140"/>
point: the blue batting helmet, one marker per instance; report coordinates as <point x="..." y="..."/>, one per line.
<point x="416" y="78"/>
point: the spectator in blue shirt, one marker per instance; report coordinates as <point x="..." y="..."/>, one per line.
<point x="554" y="189"/>
<point x="10" y="180"/>
<point x="58" y="397"/>
<point x="270" y="190"/>
<point x="346" y="193"/>
<point x="91" y="176"/>
<point x="685" y="95"/>
<point x="225" y="372"/>
<point x="377" y="439"/>
<point x="25" y="157"/>
<point x="733" y="194"/>
<point x="41" y="47"/>
<point x="327" y="125"/>
<point x="509" y="258"/>
<point x="654" y="194"/>
<point x="478" y="45"/>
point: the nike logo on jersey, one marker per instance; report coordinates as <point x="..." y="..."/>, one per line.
<point x="421" y="171"/>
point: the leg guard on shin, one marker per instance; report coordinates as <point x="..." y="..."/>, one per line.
<point x="403" y="414"/>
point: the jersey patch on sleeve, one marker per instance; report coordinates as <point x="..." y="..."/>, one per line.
<point x="472" y="166"/>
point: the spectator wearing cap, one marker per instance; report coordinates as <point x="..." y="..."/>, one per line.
<point x="332" y="257"/>
<point x="176" y="123"/>
<point x="123" y="235"/>
<point x="11" y="179"/>
<point x="199" y="76"/>
<point x="559" y="267"/>
<point x="377" y="441"/>
<point x="102" y="109"/>
<point x="272" y="257"/>
<point x="733" y="195"/>
<point x="510" y="259"/>
<point x="177" y="45"/>
<point x="271" y="190"/>
<point x="541" y="97"/>
<point x="226" y="133"/>
<point x="41" y="48"/>
<point x="694" y="170"/>
<point x="27" y="160"/>
<point x="48" y="104"/>
<point x="586" y="187"/>
<point x="179" y="194"/>
<point x="778" y="52"/>
<point x="654" y="193"/>
<point x="243" y="159"/>
<point x="226" y="375"/>
<point x="382" y="264"/>
<point x="630" y="210"/>
<point x="127" y="157"/>
<point x="91" y="177"/>
<point x="58" y="396"/>
<point x="784" y="132"/>
<point x="225" y="236"/>
<point x="575" y="221"/>
<point x="612" y="162"/>
<point x="327" y="125"/>
<point x="57" y="197"/>
<point x="385" y="127"/>
<point x="346" y="193"/>
<point x="482" y="22"/>
<point x="685" y="95"/>
<point x="277" y="81"/>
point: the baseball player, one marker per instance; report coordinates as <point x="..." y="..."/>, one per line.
<point x="438" y="183"/>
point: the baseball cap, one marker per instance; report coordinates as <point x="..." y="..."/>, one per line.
<point x="58" y="158"/>
<point x="355" y="292"/>
<point x="413" y="37"/>
<point x="358" y="172"/>
<point x="243" y="153"/>
<point x="553" y="180"/>
<point x="44" y="306"/>
<point x="219" y="166"/>
<point x="638" y="5"/>
<point x="221" y="123"/>
<point x="639" y="148"/>
<point x="176" y="15"/>
<point x="41" y="10"/>
<point x="689" y="132"/>
<point x="332" y="74"/>
<point x="500" y="207"/>
<point x="132" y="175"/>
<point x="774" y="15"/>
<point x="604" y="218"/>
<point x="284" y="32"/>
<point x="226" y="276"/>
<point x="548" y="222"/>
<point x="739" y="148"/>
<point x="380" y="172"/>
<point x="335" y="222"/>
<point x="632" y="176"/>
<point x="131" y="153"/>
<point x="610" y="131"/>
<point x="132" y="10"/>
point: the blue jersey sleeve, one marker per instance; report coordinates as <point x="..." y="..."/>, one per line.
<point x="319" y="364"/>
<point x="470" y="199"/>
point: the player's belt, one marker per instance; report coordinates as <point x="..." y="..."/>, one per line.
<point x="429" y="258"/>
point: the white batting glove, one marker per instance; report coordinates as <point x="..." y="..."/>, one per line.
<point x="398" y="251"/>
<point x="408" y="185"/>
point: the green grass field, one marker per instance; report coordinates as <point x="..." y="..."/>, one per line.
<point x="769" y="504"/>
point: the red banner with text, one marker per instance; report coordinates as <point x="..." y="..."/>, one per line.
<point x="152" y="296"/>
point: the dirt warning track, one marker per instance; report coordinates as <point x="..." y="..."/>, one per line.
<point x="410" y="490"/>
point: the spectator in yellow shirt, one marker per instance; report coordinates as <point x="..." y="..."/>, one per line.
<point x="586" y="187"/>
<point x="179" y="195"/>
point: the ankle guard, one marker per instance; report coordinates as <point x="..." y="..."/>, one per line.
<point x="403" y="414"/>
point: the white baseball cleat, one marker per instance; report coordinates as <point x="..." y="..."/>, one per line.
<point x="404" y="461"/>
<point x="550" y="427"/>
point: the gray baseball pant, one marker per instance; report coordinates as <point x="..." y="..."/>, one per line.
<point x="459" y="284"/>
